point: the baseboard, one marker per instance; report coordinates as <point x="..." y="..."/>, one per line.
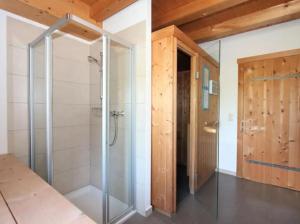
<point x="228" y="172"/>
<point x="148" y="211"/>
<point x="126" y="217"/>
<point x="163" y="212"/>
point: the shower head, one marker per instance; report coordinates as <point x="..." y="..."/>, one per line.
<point x="91" y="59"/>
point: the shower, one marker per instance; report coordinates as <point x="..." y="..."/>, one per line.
<point x="73" y="152"/>
<point x="115" y="114"/>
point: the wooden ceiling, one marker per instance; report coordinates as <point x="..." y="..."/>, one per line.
<point x="49" y="11"/>
<point x="205" y="20"/>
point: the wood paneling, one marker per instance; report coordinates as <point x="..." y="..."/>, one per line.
<point x="184" y="39"/>
<point x="231" y="21"/>
<point x="102" y="9"/>
<point x="207" y="142"/>
<point x="48" y="12"/>
<point x="163" y="121"/>
<point x="270" y="112"/>
<point x="39" y="10"/>
<point x="89" y="2"/>
<point x="183" y="115"/>
<point x="169" y="12"/>
<point x="165" y="43"/>
<point x="208" y="20"/>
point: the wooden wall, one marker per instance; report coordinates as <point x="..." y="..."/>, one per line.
<point x="183" y="115"/>
<point x="164" y="53"/>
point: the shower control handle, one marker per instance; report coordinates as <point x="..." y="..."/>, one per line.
<point x="117" y="113"/>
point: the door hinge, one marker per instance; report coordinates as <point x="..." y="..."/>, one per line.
<point x="196" y="75"/>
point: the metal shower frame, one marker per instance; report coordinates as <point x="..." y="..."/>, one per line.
<point x="46" y="38"/>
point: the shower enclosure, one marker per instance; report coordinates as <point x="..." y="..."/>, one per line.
<point x="81" y="114"/>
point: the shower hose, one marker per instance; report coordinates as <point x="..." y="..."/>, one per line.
<point x="115" y="116"/>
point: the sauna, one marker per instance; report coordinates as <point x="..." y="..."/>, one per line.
<point x="184" y="118"/>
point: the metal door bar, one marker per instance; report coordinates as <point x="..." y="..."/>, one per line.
<point x="295" y="169"/>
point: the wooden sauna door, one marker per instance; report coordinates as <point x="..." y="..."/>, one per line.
<point x="269" y="116"/>
<point x="207" y="128"/>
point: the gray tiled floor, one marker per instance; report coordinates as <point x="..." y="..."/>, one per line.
<point x="240" y="202"/>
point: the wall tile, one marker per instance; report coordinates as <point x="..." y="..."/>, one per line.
<point x="70" y="70"/>
<point x="17" y="60"/>
<point x="70" y="115"/>
<point x="18" y="143"/>
<point x="17" y="116"/>
<point x="20" y="33"/>
<point x="70" y="93"/>
<point x="73" y="136"/>
<point x="71" y="180"/>
<point x="17" y="89"/>
<point x="71" y="49"/>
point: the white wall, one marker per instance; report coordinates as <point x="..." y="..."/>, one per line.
<point x="3" y="84"/>
<point x="276" y="38"/>
<point x="134" y="24"/>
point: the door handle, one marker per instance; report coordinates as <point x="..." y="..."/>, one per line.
<point x="212" y="123"/>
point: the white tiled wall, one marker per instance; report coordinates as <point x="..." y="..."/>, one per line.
<point x="71" y="113"/>
<point x="71" y="105"/>
<point x="17" y="39"/>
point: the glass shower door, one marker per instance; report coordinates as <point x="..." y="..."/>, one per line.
<point x="120" y="129"/>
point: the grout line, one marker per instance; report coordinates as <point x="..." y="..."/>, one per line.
<point x="81" y="61"/>
<point x="9" y="208"/>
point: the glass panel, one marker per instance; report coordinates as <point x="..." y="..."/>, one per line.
<point x="39" y="110"/>
<point x="208" y="133"/>
<point x="77" y="115"/>
<point x="120" y="131"/>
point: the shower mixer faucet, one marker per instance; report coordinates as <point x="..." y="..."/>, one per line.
<point x="117" y="113"/>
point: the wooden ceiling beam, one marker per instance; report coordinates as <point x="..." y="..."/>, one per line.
<point x="242" y="18"/>
<point x="191" y="11"/>
<point x="48" y="12"/>
<point x="35" y="9"/>
<point x="102" y="9"/>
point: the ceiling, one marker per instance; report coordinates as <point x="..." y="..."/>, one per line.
<point x="202" y="20"/>
<point x="49" y="11"/>
<point x="89" y="2"/>
<point x="205" y="20"/>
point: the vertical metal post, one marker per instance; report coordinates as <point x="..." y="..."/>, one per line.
<point x="105" y="128"/>
<point x="49" y="115"/>
<point x="133" y="128"/>
<point x="31" y="108"/>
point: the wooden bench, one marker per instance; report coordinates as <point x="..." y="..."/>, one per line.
<point x="25" y="198"/>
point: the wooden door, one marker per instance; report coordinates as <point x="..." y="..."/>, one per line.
<point x="207" y="123"/>
<point x="269" y="117"/>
